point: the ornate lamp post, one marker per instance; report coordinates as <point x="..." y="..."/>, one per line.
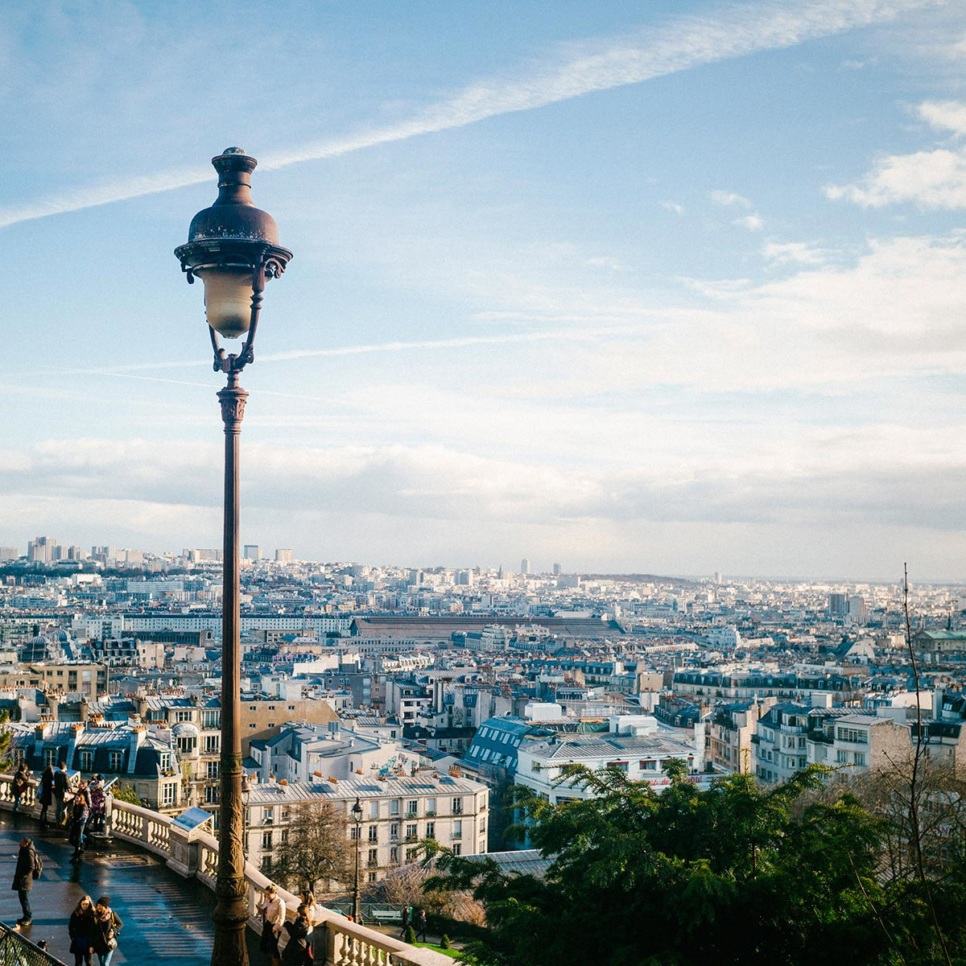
<point x="233" y="248"/>
<point x="357" y="818"/>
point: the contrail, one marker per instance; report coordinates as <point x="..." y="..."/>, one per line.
<point x="689" y="42"/>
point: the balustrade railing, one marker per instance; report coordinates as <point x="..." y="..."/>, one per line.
<point x="194" y="854"/>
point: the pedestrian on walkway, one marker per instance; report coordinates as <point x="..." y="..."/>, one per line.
<point x="61" y="788"/>
<point x="28" y="863"/>
<point x="296" y="952"/>
<point x="79" y="815"/>
<point x="98" y="804"/>
<point x="21" y="782"/>
<point x="107" y="924"/>
<point x="46" y="793"/>
<point x="421" y="925"/>
<point x="80" y="928"/>
<point x="273" y="918"/>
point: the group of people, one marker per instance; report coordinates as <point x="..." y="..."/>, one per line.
<point x="93" y="926"/>
<point x="298" y="950"/>
<point x="82" y="809"/>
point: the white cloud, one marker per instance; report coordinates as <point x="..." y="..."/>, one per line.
<point x="929" y="178"/>
<point x="752" y="222"/>
<point x="728" y="199"/>
<point x="801" y="253"/>
<point x="673" y="207"/>
<point x="737" y="31"/>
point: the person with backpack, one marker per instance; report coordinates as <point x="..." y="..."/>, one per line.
<point x="29" y="867"/>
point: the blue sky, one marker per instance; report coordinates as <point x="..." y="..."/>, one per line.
<point x="629" y="286"/>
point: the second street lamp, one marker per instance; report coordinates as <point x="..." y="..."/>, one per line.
<point x="233" y="248"/>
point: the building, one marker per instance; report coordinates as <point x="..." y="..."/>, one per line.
<point x="399" y="812"/>
<point x="636" y="745"/>
<point x="732" y="729"/>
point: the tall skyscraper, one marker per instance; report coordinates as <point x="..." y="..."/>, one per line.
<point x="252" y="552"/>
<point x="557" y="570"/>
<point x="284" y="555"/>
<point x="525" y="566"/>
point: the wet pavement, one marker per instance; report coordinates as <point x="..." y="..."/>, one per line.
<point x="166" y="918"/>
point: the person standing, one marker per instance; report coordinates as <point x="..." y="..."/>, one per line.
<point x="81" y="930"/>
<point x="273" y="918"/>
<point x="61" y="785"/>
<point x="420" y="926"/>
<point x="21" y="782"/>
<point x="46" y="793"/>
<point x="79" y="815"/>
<point x="296" y="952"/>
<point x="98" y="803"/>
<point x="28" y="863"/>
<point x="107" y="924"/>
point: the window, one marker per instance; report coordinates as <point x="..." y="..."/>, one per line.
<point x="430" y="830"/>
<point x="394" y="807"/>
<point x="266" y="841"/>
<point x="430" y="806"/>
<point x="169" y="792"/>
<point x="852" y="734"/>
<point x="354" y="833"/>
<point x="182" y="716"/>
<point x="410" y="832"/>
<point x="291" y="707"/>
<point x="648" y="764"/>
<point x="211" y="719"/>
<point x="186" y="745"/>
<point x="374" y="809"/>
<point x="211" y="794"/>
<point x="212" y="744"/>
<point x="373" y="877"/>
<point x="373" y="833"/>
<point x="394" y="832"/>
<point x="50" y="757"/>
<point x="412" y="808"/>
<point x="619" y="765"/>
<point x="394" y="854"/>
<point x="213" y="769"/>
<point x="457" y="806"/>
<point x="115" y="760"/>
<point x="412" y="855"/>
<point x="457" y="849"/>
<point x="284" y="835"/>
<point x="268" y="816"/>
<point x="373" y="857"/>
<point x="458" y="829"/>
<point x="86" y="759"/>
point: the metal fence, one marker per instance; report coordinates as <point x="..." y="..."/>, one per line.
<point x="17" y="950"/>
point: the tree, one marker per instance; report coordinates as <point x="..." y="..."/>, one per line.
<point x="735" y="874"/>
<point x="317" y="850"/>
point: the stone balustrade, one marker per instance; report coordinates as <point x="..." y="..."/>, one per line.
<point x="193" y="853"/>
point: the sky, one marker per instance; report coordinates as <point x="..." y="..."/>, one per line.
<point x="650" y="286"/>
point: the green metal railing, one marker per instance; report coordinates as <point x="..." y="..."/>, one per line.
<point x="17" y="950"/>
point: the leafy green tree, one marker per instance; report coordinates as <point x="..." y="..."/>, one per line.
<point x="735" y="874"/>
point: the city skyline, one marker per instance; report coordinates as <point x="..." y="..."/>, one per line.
<point x="663" y="289"/>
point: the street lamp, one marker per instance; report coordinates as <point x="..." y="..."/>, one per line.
<point x="357" y="818"/>
<point x="233" y="248"/>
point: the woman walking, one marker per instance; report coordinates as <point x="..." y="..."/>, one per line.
<point x="81" y="930"/>
<point x="107" y="924"/>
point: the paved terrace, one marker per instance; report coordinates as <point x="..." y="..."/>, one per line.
<point x="166" y="918"/>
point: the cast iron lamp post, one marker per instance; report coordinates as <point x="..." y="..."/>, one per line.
<point x="357" y="818"/>
<point x="233" y="248"/>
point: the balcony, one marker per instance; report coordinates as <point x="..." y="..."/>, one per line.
<point x="162" y="884"/>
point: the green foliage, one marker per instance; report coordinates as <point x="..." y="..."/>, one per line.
<point x="409" y="936"/>
<point x="735" y="874"/>
<point x="124" y="792"/>
<point x="445" y="943"/>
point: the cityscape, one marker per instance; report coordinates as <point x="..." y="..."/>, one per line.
<point x="576" y="567"/>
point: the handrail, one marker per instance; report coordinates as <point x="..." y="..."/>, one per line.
<point x="195" y="854"/>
